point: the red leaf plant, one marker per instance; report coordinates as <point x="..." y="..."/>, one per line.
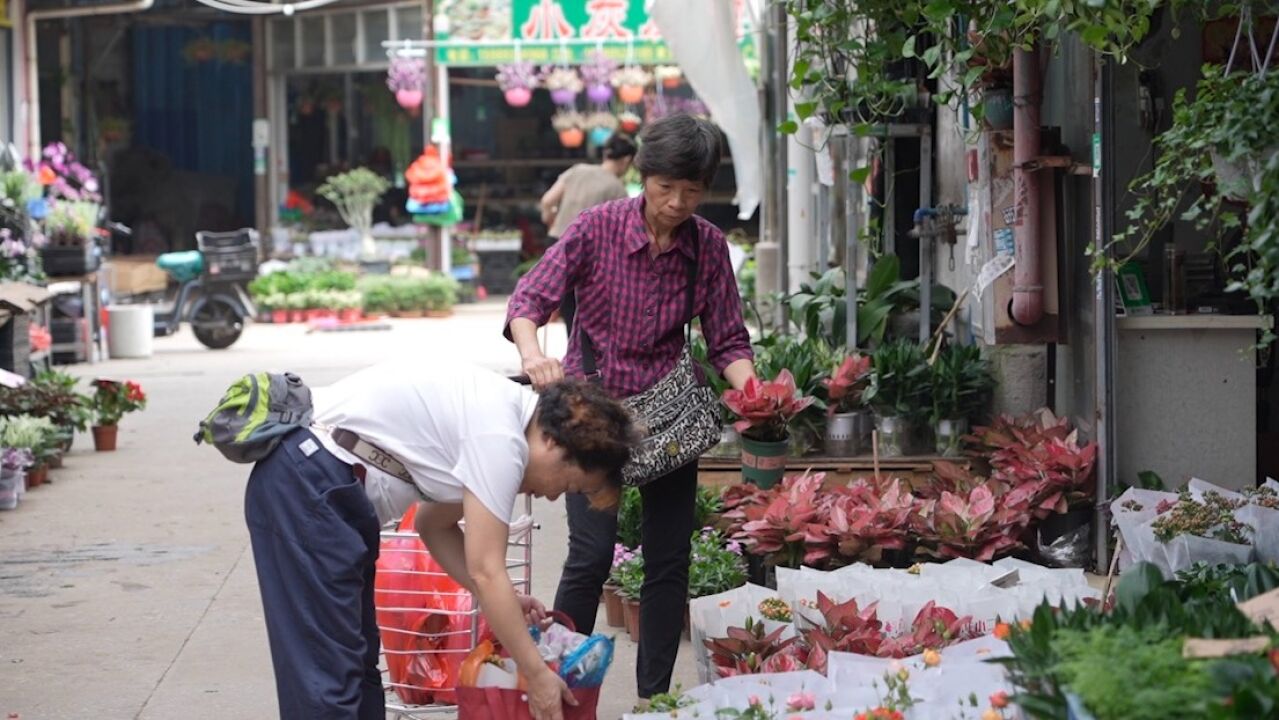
<point x="786" y="523"/>
<point x="765" y="407"/>
<point x="865" y="520"/>
<point x="847" y="628"/>
<point x="974" y="525"/>
<point x="844" y="387"/>
<point x="750" y="650"/>
<point x="934" y="628"/>
<point x="1042" y="452"/>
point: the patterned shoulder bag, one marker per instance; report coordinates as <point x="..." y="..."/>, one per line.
<point x="680" y="417"/>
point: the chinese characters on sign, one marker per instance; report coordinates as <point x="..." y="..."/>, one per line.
<point x="606" y="21"/>
<point x="546" y="22"/>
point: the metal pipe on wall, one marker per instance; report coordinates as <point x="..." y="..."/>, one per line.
<point x="1103" y="187"/>
<point x="779" y="89"/>
<point x="1028" y="286"/>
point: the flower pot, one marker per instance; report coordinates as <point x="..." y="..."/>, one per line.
<point x="55" y="461"/>
<point x="628" y="126"/>
<point x="729" y="446"/>
<point x="631" y="94"/>
<point x="297" y="316"/>
<point x="998" y="104"/>
<point x="614" y="611"/>
<point x="764" y="463"/>
<point x="599" y="94"/>
<point x="518" y="96"/>
<point x="632" y="613"/>
<point x="947" y="436"/>
<point x="349" y="315"/>
<point x="448" y="312"/>
<point x="408" y="99"/>
<point x="671" y="83"/>
<point x="37" y="476"/>
<point x="563" y="96"/>
<point x="104" y="437"/>
<point x="572" y="138"/>
<point x="409" y="314"/>
<point x="279" y="317"/>
<point x="845" y="436"/>
<point x="600" y="135"/>
<point x="895" y="436"/>
<point x="10" y="484"/>
<point x="1065" y="539"/>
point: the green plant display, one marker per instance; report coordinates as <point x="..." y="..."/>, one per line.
<point x="715" y="566"/>
<point x="961" y="383"/>
<point x="630" y="511"/>
<point x="354" y="194"/>
<point x="900" y="381"/>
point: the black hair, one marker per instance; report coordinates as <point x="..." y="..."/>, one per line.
<point x="680" y="147"/>
<point x="619" y="146"/>
<point x="596" y="432"/>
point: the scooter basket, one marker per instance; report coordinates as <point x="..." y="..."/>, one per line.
<point x="234" y="264"/>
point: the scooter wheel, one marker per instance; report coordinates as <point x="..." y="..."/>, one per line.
<point x="217" y="325"/>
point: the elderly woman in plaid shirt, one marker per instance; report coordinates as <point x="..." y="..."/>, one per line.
<point x="628" y="262"/>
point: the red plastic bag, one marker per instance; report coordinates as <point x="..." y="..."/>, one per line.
<point x="497" y="704"/>
<point x="424" y="647"/>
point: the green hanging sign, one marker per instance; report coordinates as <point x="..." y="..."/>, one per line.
<point x="569" y="32"/>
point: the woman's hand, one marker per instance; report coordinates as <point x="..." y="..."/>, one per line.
<point x="542" y="370"/>
<point x="547" y="694"/>
<point x="534" y="611"/>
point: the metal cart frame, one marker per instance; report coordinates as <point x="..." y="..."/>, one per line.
<point x="519" y="563"/>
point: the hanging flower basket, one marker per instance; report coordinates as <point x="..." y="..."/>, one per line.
<point x="569" y="124"/>
<point x="601" y="126"/>
<point x="564" y="84"/>
<point x="629" y="122"/>
<point x="670" y="76"/>
<point x="517" y="81"/>
<point x="630" y="82"/>
<point x="598" y="76"/>
<point x="406" y="78"/>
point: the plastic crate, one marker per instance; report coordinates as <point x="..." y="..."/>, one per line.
<point x="70" y="260"/>
<point x="245" y="237"/>
<point x="231" y="263"/>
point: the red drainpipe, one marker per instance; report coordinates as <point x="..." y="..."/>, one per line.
<point x="1028" y="287"/>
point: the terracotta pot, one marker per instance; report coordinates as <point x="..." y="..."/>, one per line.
<point x="670" y="83"/>
<point x="439" y="313"/>
<point x="632" y="612"/>
<point x="572" y="138"/>
<point x="297" y="316"/>
<point x="631" y="94"/>
<point x="408" y="313"/>
<point x="613" y="609"/>
<point x="104" y="437"/>
<point x="37" y="476"/>
<point x="349" y="315"/>
<point x="280" y="317"/>
<point x="55" y="461"/>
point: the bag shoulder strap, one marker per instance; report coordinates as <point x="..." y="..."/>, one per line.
<point x="589" y="367"/>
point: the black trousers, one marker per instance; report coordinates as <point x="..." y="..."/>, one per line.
<point x="666" y="532"/>
<point x="315" y="544"/>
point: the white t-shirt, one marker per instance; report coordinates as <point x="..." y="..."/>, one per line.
<point x="453" y="425"/>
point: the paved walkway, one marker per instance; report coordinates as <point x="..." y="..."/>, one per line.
<point x="127" y="587"/>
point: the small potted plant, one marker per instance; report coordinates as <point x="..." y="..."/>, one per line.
<point x="601" y="126"/>
<point x="439" y="295"/>
<point x="764" y="409"/>
<point x="13" y="465"/>
<point x="847" y="421"/>
<point x="628" y="122"/>
<point x="715" y="566"/>
<point x="563" y="83"/>
<point x="568" y="123"/>
<point x="775" y="613"/>
<point x="614" y="609"/>
<point x="34" y="435"/>
<point x="354" y="193"/>
<point x="899" y="392"/>
<point x="629" y="577"/>
<point x="597" y="74"/>
<point x="630" y="82"/>
<point x="961" y="385"/>
<point x="406" y="77"/>
<point x="517" y="82"/>
<point x="112" y="399"/>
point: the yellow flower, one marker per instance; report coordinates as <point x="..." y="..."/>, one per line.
<point x="932" y="658"/>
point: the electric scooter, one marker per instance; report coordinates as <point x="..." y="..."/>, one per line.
<point x="211" y="287"/>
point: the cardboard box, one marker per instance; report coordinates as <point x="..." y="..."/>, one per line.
<point x="134" y="275"/>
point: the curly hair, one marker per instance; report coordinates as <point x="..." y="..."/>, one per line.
<point x="596" y="432"/>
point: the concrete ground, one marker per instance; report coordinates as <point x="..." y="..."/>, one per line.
<point x="127" y="587"/>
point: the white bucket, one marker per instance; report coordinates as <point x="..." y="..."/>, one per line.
<point x="130" y="331"/>
<point x="10" y="484"/>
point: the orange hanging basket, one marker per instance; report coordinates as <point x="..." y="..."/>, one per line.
<point x="572" y="138"/>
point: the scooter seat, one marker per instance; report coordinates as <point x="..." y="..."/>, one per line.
<point x="183" y="266"/>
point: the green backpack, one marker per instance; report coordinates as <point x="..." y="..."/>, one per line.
<point x="255" y="414"/>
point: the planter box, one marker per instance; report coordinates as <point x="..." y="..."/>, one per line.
<point x="70" y="260"/>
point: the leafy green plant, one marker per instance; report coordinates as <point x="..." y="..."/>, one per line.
<point x="899" y="381"/>
<point x="629" y="575"/>
<point x="354" y="194"/>
<point x="630" y="512"/>
<point x="810" y="361"/>
<point x="439" y="292"/>
<point x="35" y="434"/>
<point x="52" y="394"/>
<point x="961" y="383"/>
<point x="715" y="566"/>
<point x="669" y="702"/>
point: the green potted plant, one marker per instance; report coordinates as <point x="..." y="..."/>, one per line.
<point x="439" y="293"/>
<point x="376" y="295"/>
<point x="961" y="385"/>
<point x="354" y="194"/>
<point x="112" y="399"/>
<point x="409" y="297"/>
<point x="614" y="607"/>
<point x="35" y="436"/>
<point x="847" y="422"/>
<point x="765" y="409"/>
<point x="629" y="577"/>
<point x="899" y="392"/>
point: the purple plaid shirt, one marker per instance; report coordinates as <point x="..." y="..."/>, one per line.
<point x="634" y="306"/>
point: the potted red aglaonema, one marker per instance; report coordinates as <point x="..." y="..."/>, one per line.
<point x="765" y="409"/>
<point x="849" y="422"/>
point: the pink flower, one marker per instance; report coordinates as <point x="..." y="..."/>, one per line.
<point x="801" y="701"/>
